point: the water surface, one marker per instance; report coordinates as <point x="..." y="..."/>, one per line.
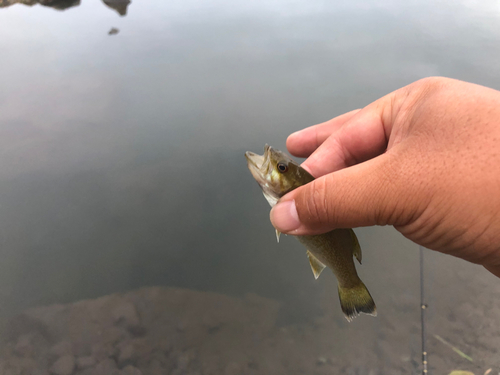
<point x="122" y="155"/>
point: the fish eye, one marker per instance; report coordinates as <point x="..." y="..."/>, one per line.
<point x="282" y="167"/>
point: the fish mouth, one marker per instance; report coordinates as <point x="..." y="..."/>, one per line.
<point x="257" y="162"/>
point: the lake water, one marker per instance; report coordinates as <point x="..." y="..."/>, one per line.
<point x="122" y="159"/>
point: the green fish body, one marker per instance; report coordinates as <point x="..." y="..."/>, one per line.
<point x="277" y="175"/>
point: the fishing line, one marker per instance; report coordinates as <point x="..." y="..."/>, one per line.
<point x="423" y="308"/>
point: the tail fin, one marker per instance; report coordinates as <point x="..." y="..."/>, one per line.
<point x="356" y="300"/>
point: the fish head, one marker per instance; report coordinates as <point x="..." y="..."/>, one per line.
<point x="276" y="173"/>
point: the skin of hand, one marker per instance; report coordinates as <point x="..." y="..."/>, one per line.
<point x="424" y="158"/>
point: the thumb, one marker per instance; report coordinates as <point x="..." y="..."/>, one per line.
<point x="376" y="192"/>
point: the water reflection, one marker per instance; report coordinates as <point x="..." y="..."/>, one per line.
<point x="56" y="4"/>
<point x="119" y="5"/>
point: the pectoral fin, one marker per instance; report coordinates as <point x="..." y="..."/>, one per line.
<point x="316" y="265"/>
<point x="278" y="235"/>
<point x="356" y="249"/>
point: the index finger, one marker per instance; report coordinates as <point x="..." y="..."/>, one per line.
<point x="304" y="142"/>
<point x="362" y="137"/>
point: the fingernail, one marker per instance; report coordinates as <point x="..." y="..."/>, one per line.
<point x="303" y="165"/>
<point x="284" y="217"/>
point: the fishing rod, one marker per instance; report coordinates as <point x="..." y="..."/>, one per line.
<point x="423" y="308"/>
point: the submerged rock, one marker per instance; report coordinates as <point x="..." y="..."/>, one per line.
<point x="178" y="331"/>
<point x="84" y="362"/>
<point x="62" y="348"/>
<point x="130" y="370"/>
<point x="106" y="367"/>
<point x="63" y="366"/>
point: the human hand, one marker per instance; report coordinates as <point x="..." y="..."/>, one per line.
<point x="424" y="158"/>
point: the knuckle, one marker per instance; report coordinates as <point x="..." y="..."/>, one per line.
<point x="427" y="86"/>
<point x="431" y="82"/>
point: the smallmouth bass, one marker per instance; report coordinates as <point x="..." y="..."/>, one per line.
<point x="277" y="174"/>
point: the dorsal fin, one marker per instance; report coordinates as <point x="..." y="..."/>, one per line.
<point x="356" y="249"/>
<point x="316" y="266"/>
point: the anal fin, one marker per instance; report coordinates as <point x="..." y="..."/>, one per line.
<point x="316" y="266"/>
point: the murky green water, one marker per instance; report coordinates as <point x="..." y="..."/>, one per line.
<point x="122" y="155"/>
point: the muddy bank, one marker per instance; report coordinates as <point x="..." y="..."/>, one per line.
<point x="177" y="331"/>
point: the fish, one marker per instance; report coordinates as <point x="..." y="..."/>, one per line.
<point x="278" y="174"/>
